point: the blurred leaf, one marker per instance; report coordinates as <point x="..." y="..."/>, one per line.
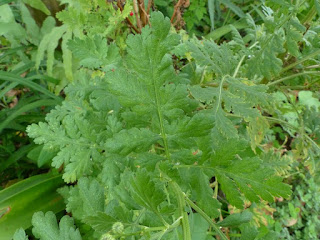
<point x="37" y="4"/>
<point x="20" y="235"/>
<point x="20" y="201"/>
<point x="211" y="9"/>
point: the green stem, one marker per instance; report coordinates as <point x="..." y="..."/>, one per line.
<point x="238" y="67"/>
<point x="146" y="229"/>
<point x="207" y="218"/>
<point x="169" y="202"/>
<point x="174" y="225"/>
<point x="216" y="188"/>
<point x="292" y="76"/>
<point x="181" y="205"/>
<point x="163" y="133"/>
<point x="310" y="15"/>
<point x="220" y="94"/>
<point x="311" y="55"/>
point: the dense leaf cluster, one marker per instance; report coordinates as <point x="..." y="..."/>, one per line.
<point x="145" y="151"/>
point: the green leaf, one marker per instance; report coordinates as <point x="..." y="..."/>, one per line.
<point x="198" y="226"/>
<point x="101" y="222"/>
<point x="45" y="227"/>
<point x="32" y="29"/>
<point x="77" y="144"/>
<point x="48" y="44"/>
<point x="236" y="219"/>
<point x="20" y="201"/>
<point x="205" y="95"/>
<point x="265" y="62"/>
<point x="211" y="9"/>
<point x="145" y="192"/>
<point x="12" y="30"/>
<point x="294" y="35"/>
<point x="94" y="52"/>
<point x="237" y="10"/>
<point x="126" y="141"/>
<point x="219" y="59"/>
<point x="306" y="98"/>
<point x="223" y="124"/>
<point x="85" y="199"/>
<point x="20" y="235"/>
<point x="203" y="194"/>
<point x="257" y="130"/>
<point x="37" y="4"/>
<point x="253" y="180"/>
<point x="2" y="2"/>
<point x="317" y="4"/>
<point x="67" y="56"/>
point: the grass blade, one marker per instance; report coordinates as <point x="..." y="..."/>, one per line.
<point x="16" y="156"/>
<point x="20" y="201"/>
<point x="26" y="108"/>
<point x="27" y="82"/>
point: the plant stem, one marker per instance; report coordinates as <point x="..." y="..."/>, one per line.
<point x="174" y="225"/>
<point x="127" y="19"/>
<point x="136" y="13"/>
<point x="311" y="55"/>
<point x="181" y="204"/>
<point x="216" y="188"/>
<point x="310" y="15"/>
<point x="176" y="7"/>
<point x="207" y="218"/>
<point x="163" y="133"/>
<point x="292" y="76"/>
<point x="238" y="67"/>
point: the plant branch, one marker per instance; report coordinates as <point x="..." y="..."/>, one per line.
<point x="176" y="7"/>
<point x="136" y="13"/>
<point x="143" y="14"/>
<point x="238" y="67"/>
<point x="311" y="55"/>
<point x="292" y="76"/>
<point x="207" y="218"/>
<point x="149" y="6"/>
<point x="127" y="19"/>
<point x="181" y="204"/>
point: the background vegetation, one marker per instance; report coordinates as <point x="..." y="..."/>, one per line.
<point x="232" y="87"/>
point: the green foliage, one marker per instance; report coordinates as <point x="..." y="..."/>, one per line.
<point x="94" y="53"/>
<point x="160" y="135"/>
<point x="297" y="217"/>
<point x="20" y="235"/>
<point x="149" y="148"/>
<point x="20" y="201"/>
<point x="45" y="227"/>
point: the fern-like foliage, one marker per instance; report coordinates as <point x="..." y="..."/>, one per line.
<point x="141" y="147"/>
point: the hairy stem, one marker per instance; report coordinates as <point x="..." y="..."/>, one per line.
<point x="207" y="218"/>
<point x="181" y="205"/>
